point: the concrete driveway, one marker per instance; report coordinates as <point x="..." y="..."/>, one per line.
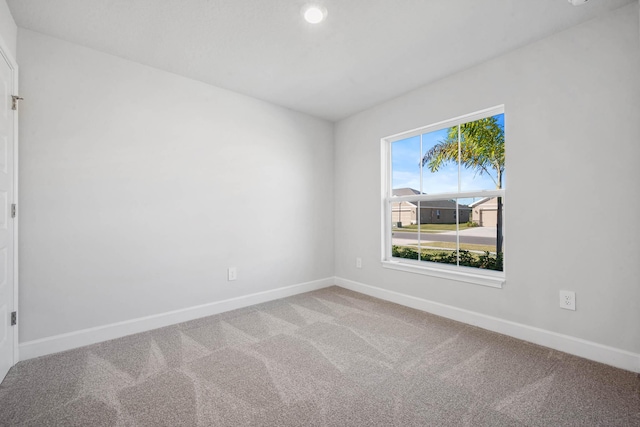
<point x="476" y="231"/>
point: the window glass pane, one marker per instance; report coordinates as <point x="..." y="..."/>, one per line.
<point x="440" y="160"/>
<point x="482" y="154"/>
<point x="404" y="236"/>
<point x="480" y="235"/>
<point x="438" y="231"/>
<point x="405" y="166"/>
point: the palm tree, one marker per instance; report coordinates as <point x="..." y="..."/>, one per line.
<point x="481" y="149"/>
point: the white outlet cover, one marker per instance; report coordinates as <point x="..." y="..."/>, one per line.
<point x="568" y="300"/>
<point x="232" y="273"/>
<point x="358" y="262"/>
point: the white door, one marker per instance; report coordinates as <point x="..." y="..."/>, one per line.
<point x="7" y="331"/>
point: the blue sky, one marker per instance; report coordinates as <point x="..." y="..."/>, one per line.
<point x="406" y="156"/>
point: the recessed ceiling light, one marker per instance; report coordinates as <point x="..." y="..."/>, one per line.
<point x="314" y="14"/>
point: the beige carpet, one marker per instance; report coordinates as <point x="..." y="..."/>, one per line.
<point x="325" y="358"/>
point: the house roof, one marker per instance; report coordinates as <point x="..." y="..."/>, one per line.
<point x="404" y="192"/>
<point x="481" y="201"/>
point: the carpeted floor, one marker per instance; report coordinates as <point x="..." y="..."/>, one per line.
<point x="325" y="358"/>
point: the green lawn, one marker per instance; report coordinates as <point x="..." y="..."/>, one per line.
<point x="431" y="228"/>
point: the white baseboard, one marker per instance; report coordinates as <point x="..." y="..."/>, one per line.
<point x="68" y="341"/>
<point x="565" y="343"/>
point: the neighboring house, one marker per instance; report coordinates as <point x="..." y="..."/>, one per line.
<point x="485" y="212"/>
<point x="432" y="212"/>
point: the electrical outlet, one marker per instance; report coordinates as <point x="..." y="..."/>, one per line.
<point x="232" y="273"/>
<point x="568" y="300"/>
<point x="358" y="262"/>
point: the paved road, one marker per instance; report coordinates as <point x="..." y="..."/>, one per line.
<point x="444" y="237"/>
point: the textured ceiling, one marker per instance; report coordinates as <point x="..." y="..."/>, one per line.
<point x="367" y="51"/>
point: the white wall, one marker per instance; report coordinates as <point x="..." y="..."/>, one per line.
<point x="139" y="188"/>
<point x="8" y="29"/>
<point x="572" y="106"/>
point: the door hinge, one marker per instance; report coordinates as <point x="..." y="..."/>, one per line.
<point x="14" y="318"/>
<point x="13" y="210"/>
<point x="14" y="101"/>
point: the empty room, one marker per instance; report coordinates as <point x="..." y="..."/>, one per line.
<point x="320" y="213"/>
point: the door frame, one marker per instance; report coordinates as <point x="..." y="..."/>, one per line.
<point x="13" y="65"/>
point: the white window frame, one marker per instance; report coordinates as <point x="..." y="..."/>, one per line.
<point x="495" y="279"/>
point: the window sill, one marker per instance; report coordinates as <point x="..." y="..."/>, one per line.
<point x="493" y="279"/>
